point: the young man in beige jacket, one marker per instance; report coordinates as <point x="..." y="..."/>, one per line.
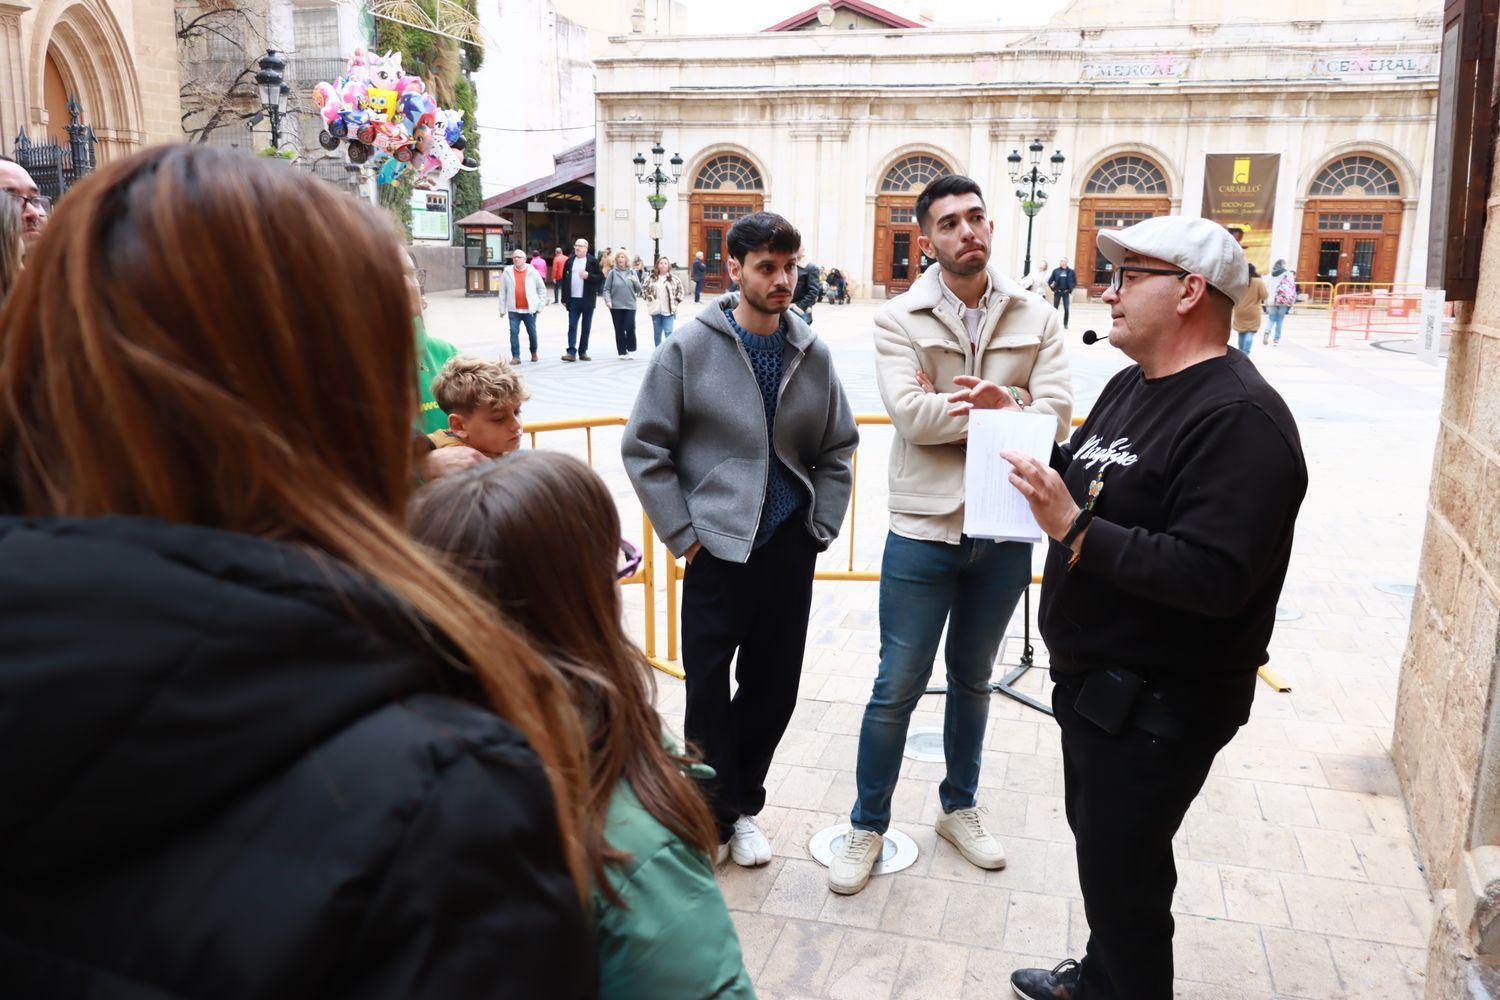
<point x="967" y="330"/>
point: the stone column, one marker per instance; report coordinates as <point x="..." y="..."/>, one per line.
<point x="13" y="114"/>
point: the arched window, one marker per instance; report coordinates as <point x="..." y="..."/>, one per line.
<point x="913" y="173"/>
<point x="728" y="172"/>
<point x="1127" y="175"/>
<point x="1357" y="177"/>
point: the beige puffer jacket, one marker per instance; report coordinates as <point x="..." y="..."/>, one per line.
<point x="1020" y="344"/>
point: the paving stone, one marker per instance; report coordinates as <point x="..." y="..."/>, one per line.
<point x="1301" y="964"/>
<point x="865" y="966"/>
<point x="802" y="958"/>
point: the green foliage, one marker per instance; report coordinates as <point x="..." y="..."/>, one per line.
<point x="468" y="197"/>
<point x="279" y="154"/>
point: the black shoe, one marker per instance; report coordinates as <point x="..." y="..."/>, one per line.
<point x="1039" y="984"/>
<point x="584" y="357"/>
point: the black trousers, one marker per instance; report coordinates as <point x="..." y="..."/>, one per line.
<point x="1062" y="299"/>
<point x="624" y="320"/>
<point x="759" y="609"/>
<point x="1125" y="797"/>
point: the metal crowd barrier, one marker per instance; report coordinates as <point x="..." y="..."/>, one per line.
<point x="672" y="570"/>
<point x="1313" y="294"/>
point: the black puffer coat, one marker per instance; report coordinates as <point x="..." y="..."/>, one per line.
<point x="231" y="769"/>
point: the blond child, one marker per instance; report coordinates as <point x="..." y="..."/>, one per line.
<point x="483" y="402"/>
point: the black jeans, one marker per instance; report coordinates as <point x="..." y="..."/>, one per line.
<point x="760" y="608"/>
<point x="624" y="320"/>
<point x="1125" y="797"/>
<point x="1062" y="298"/>
<point x="580" y="310"/>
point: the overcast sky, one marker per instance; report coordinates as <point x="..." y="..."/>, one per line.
<point x="716" y="15"/>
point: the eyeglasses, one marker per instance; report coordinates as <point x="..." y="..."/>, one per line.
<point x="39" y="202"/>
<point x="630" y="560"/>
<point x="1118" y="279"/>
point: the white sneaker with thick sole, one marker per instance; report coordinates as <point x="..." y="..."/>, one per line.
<point x="964" y="829"/>
<point x="748" y="846"/>
<point x="851" y="866"/>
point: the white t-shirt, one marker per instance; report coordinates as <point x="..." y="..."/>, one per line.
<point x="580" y="272"/>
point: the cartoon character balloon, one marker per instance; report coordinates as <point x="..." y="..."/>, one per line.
<point x="387" y="118"/>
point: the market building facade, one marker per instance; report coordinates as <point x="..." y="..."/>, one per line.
<point x="1322" y="129"/>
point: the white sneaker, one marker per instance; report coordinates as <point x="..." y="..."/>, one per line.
<point x="964" y="830"/>
<point x="851" y="866"/>
<point x="748" y="846"/>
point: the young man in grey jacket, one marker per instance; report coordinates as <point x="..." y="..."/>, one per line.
<point x="740" y="448"/>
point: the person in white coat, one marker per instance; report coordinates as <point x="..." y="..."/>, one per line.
<point x="523" y="293"/>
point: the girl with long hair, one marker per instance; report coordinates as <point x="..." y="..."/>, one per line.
<point x="540" y="535"/>
<point x="255" y="741"/>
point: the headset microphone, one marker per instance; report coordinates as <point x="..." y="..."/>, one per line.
<point x="1090" y="337"/>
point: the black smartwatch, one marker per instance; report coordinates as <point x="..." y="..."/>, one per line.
<point x="1080" y="522"/>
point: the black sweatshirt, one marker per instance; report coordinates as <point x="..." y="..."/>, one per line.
<point x="1180" y="570"/>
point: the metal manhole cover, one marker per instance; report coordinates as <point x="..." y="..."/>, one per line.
<point x="897" y="853"/>
<point x="925" y="744"/>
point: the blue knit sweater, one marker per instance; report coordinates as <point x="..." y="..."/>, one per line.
<point x="785" y="494"/>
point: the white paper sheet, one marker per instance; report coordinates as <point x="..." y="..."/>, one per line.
<point x="993" y="508"/>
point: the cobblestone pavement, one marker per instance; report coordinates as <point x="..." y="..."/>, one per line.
<point x="1298" y="876"/>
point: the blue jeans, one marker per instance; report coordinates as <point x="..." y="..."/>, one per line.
<point x="661" y="326"/>
<point x="1247" y="340"/>
<point x="974" y="587"/>
<point x="580" y="309"/>
<point x="1275" y="316"/>
<point x="516" y="319"/>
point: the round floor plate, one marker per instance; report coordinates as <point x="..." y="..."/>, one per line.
<point x="1286" y="614"/>
<point x="898" y="853"/>
<point x="925" y="744"/>
<point x="1397" y="589"/>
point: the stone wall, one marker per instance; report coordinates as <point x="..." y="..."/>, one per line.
<point x="1447" y="738"/>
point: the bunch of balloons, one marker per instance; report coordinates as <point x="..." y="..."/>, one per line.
<point x="389" y="120"/>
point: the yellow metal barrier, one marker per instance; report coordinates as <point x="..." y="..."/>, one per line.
<point x="1313" y="294"/>
<point x="673" y="570"/>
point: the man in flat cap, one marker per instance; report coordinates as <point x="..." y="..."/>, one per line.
<point x="1171" y="513"/>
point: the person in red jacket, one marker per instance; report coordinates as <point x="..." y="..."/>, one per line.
<point x="559" y="259"/>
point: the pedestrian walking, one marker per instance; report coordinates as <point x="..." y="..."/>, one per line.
<point x="1249" y="309"/>
<point x="664" y="293"/>
<point x="965" y="329"/>
<point x="741" y="411"/>
<point x="522" y="297"/>
<point x="1063" y="280"/>
<point x="1171" y="513"/>
<point x="621" y="287"/>
<point x="699" y="270"/>
<point x="582" y="279"/>
<point x="1283" y="288"/>
<point x="1036" y="280"/>
<point x="329" y="769"/>
<point x="559" y="260"/>
<point x="809" y="288"/>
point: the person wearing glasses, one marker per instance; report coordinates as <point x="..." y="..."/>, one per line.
<point x="1171" y="513"/>
<point x="35" y="208"/>
<point x="540" y="537"/>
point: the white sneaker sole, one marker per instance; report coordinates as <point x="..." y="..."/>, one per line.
<point x="845" y="889"/>
<point x="986" y="863"/>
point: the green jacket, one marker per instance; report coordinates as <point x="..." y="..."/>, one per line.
<point x="675" y="940"/>
<point x="432" y="354"/>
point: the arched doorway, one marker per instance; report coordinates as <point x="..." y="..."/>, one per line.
<point x="1121" y="191"/>
<point x="726" y="188"/>
<point x="1351" y="223"/>
<point x="898" y="261"/>
<point x="55" y="93"/>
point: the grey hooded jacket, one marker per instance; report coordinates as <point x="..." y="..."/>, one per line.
<point x="695" y="448"/>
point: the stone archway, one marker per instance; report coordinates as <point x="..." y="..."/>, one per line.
<point x="88" y="51"/>
<point x="1120" y="191"/>
<point x="726" y="187"/>
<point x="1351" y="223"/>
<point x="898" y="261"/>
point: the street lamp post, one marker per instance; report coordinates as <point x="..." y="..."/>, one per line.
<point x="656" y="178"/>
<point x="274" y="92"/>
<point x="1034" y="199"/>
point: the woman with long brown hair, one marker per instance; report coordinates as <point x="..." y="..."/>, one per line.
<point x="254" y="742"/>
<point x="540" y="534"/>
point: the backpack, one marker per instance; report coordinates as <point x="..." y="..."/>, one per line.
<point x="1286" y="290"/>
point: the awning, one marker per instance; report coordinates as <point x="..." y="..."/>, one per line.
<point x="578" y="172"/>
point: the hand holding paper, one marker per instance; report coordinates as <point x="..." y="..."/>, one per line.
<point x="993" y="506"/>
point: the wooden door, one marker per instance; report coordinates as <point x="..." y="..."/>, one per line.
<point x="710" y="217"/>
<point x="1094" y="214"/>
<point x="899" y="261"/>
<point x="1350" y="240"/>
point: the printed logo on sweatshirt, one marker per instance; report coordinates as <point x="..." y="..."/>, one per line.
<point x="1117" y="452"/>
